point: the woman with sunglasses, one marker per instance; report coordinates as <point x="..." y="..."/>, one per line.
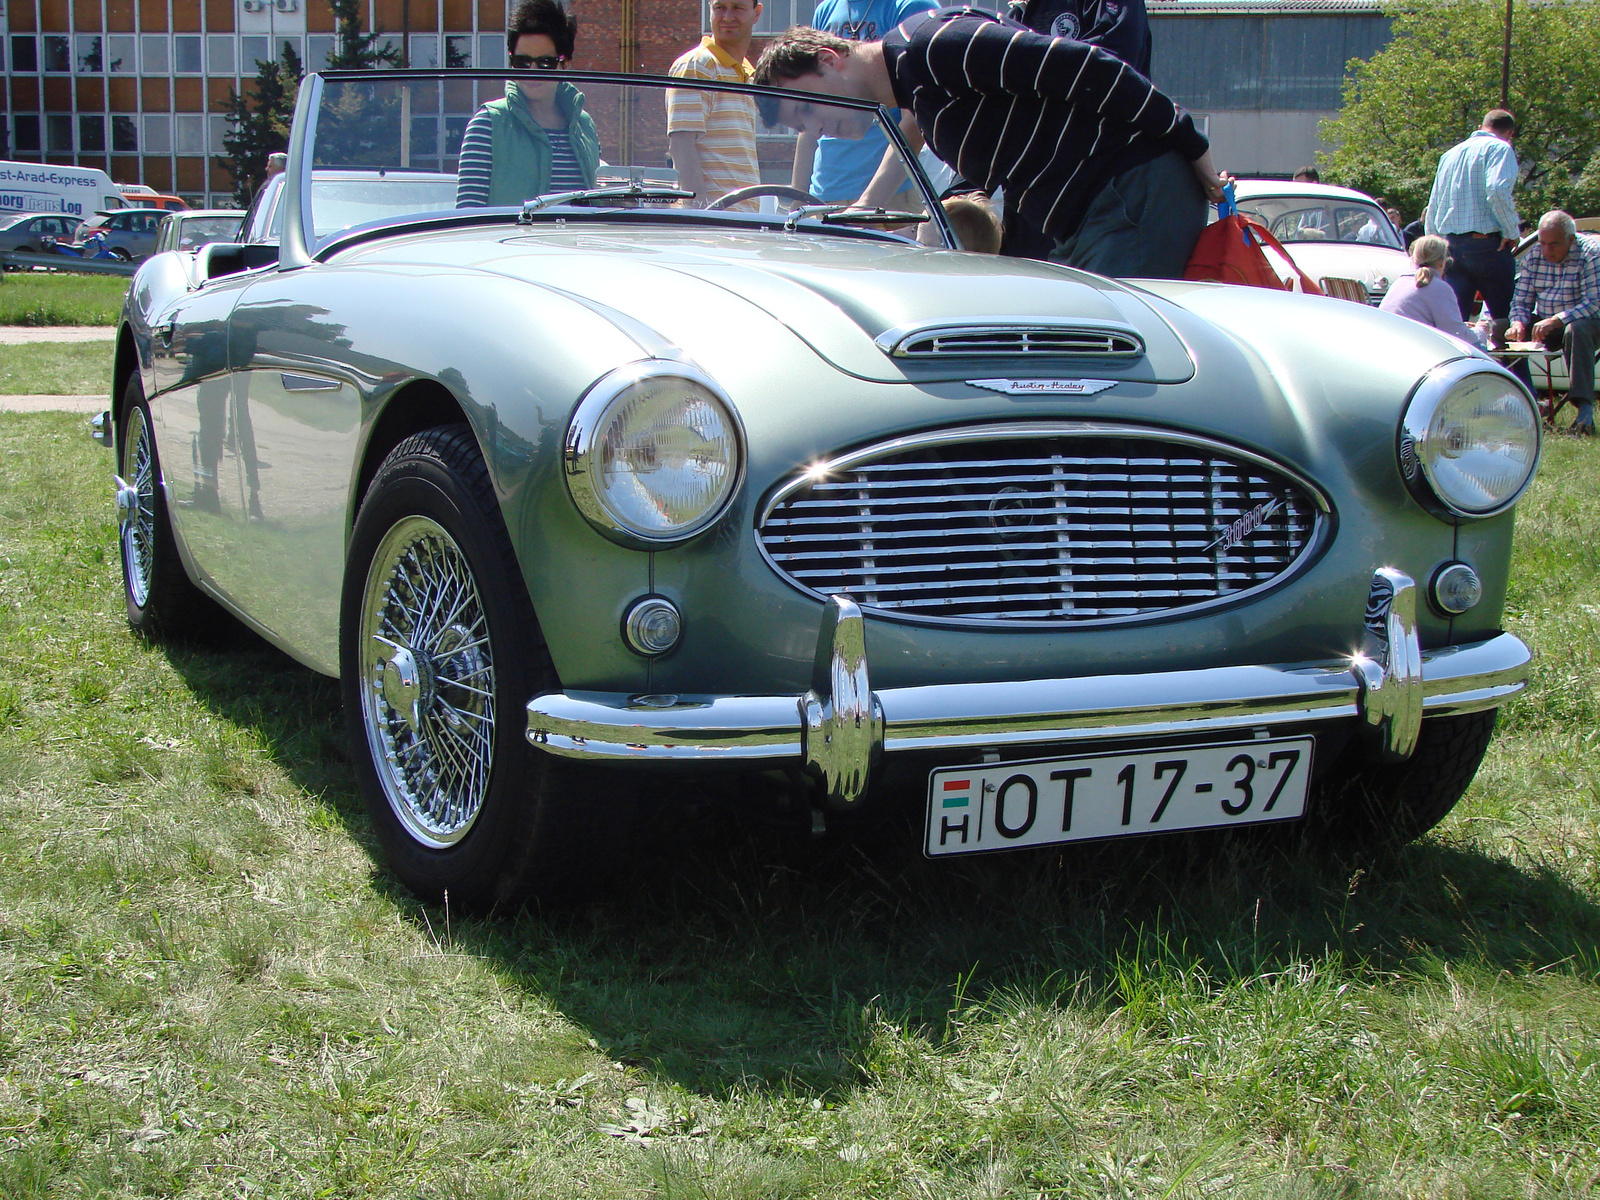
<point x="539" y="138"/>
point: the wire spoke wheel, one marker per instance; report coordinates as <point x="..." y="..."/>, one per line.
<point x="428" y="681"/>
<point x="139" y="527"/>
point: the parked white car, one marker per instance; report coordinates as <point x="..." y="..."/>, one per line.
<point x="1330" y="232"/>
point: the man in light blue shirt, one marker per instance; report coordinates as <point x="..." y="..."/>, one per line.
<point x="1471" y="207"/>
<point x="838" y="169"/>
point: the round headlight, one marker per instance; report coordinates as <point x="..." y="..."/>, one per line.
<point x="1471" y="436"/>
<point x="654" y="453"/>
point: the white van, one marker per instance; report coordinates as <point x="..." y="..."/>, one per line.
<point x="43" y="188"/>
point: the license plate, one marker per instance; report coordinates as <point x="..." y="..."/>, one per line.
<point x="1001" y="806"/>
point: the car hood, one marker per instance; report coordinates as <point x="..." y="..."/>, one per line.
<point x="837" y="294"/>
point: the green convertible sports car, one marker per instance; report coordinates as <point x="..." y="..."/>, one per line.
<point x="604" y="483"/>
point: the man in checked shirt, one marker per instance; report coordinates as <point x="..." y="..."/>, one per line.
<point x="1557" y="299"/>
<point x="1085" y="146"/>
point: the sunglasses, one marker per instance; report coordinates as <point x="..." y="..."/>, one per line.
<point x="545" y="62"/>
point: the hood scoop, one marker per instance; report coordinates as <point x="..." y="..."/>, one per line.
<point x="1012" y="338"/>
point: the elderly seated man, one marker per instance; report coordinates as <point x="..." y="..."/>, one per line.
<point x="1557" y="301"/>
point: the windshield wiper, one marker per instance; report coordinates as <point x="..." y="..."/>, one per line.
<point x="849" y="214"/>
<point x="634" y="191"/>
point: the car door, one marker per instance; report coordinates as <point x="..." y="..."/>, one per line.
<point x="298" y="397"/>
<point x="197" y="432"/>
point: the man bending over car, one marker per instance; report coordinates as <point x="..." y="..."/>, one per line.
<point x="1084" y="145"/>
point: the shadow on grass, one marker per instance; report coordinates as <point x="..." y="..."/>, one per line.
<point x="734" y="953"/>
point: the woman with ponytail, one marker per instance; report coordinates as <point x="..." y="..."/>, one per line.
<point x="1425" y="297"/>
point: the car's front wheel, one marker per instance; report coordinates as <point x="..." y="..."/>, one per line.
<point x="1370" y="805"/>
<point x="439" y="654"/>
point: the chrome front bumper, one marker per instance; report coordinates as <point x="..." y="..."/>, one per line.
<point x="840" y="727"/>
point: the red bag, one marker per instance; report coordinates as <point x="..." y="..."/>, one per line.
<point x="1234" y="250"/>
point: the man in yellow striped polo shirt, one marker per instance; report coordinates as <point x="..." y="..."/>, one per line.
<point x="712" y="135"/>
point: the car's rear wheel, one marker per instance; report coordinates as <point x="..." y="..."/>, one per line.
<point x="1376" y="805"/>
<point x="439" y="653"/>
<point x="163" y="603"/>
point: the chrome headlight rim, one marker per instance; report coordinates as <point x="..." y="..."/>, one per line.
<point x="587" y="427"/>
<point x="1416" y="454"/>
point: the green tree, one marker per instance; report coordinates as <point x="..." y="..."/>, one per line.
<point x="1430" y="86"/>
<point x="357" y="51"/>
<point x="259" y="123"/>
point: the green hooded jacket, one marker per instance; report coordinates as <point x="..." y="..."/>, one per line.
<point x="521" y="146"/>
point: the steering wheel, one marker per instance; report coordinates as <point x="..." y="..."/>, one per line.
<point x="781" y="190"/>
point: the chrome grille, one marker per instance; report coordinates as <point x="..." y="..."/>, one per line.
<point x="1047" y="525"/>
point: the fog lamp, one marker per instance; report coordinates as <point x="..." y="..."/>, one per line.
<point x="653" y="626"/>
<point x="1456" y="588"/>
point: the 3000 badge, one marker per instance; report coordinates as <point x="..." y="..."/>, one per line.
<point x="1001" y="806"/>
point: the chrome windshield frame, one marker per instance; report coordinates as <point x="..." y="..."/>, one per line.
<point x="301" y="246"/>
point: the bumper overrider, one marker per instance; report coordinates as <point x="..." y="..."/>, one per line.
<point x="840" y="728"/>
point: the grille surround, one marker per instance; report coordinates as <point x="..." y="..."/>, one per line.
<point x="789" y="541"/>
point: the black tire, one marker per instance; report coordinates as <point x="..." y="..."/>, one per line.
<point x="1366" y="805"/>
<point x="163" y="603"/>
<point x="121" y="255"/>
<point x="495" y="821"/>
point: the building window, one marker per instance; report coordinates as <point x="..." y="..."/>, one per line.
<point x="25" y="133"/>
<point x="319" y="49"/>
<point x="57" y="54"/>
<point x="156" y="59"/>
<point x="124" y="135"/>
<point x="218" y="129"/>
<point x="92" y="134"/>
<point x="219" y="50"/>
<point x="253" y="51"/>
<point x="424" y="137"/>
<point x="454" y="128"/>
<point x="58" y="133"/>
<point x="388" y="41"/>
<point x="157" y="133"/>
<point x="291" y="45"/>
<point x="90" y="61"/>
<point x="424" y="50"/>
<point x="491" y="50"/>
<point x="120" y="55"/>
<point x="24" y="55"/>
<point x="458" y="51"/>
<point x="186" y="55"/>
<point x="189" y="134"/>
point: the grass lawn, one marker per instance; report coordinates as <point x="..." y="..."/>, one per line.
<point x="56" y="369"/>
<point x="43" y="298"/>
<point x="207" y="987"/>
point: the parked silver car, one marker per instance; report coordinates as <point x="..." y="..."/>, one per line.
<point x="32" y="233"/>
<point x="601" y="484"/>
<point x="130" y="233"/>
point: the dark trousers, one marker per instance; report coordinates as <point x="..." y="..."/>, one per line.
<point x="1478" y="265"/>
<point x="1143" y="224"/>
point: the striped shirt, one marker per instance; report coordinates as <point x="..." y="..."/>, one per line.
<point x="1472" y="189"/>
<point x="476" y="165"/>
<point x="1049" y="119"/>
<point x="725" y="122"/>
<point x="1569" y="289"/>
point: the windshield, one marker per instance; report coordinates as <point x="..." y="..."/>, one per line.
<point x="1317" y="219"/>
<point x="407" y="144"/>
<point x="197" y="231"/>
<point x="10" y="219"/>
